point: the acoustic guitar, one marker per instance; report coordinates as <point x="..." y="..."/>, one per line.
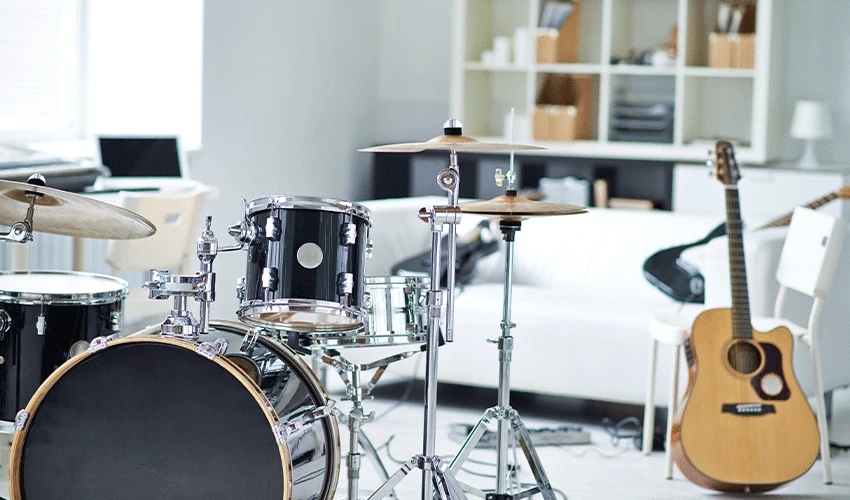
<point x="744" y="424"/>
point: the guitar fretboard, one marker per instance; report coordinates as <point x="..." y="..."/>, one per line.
<point x="741" y="325"/>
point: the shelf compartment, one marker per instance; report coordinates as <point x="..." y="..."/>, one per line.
<point x="702" y="21"/>
<point x="488" y="98"/>
<point x="591" y="111"/>
<point x="590" y="23"/>
<point x="642" y="109"/>
<point x="486" y="19"/>
<point x="640" y="25"/>
<point x="717" y="108"/>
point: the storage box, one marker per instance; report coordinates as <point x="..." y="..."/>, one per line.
<point x="732" y="51"/>
<point x="547" y="46"/>
<point x="564" y="108"/>
<point x="744" y="52"/>
<point x="719" y="51"/>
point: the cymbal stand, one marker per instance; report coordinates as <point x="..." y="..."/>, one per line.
<point x="356" y="392"/>
<point x="434" y="476"/>
<point x="502" y="412"/>
<point x="21" y="232"/>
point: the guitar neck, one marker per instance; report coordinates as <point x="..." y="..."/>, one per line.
<point x="785" y="220"/>
<point x="741" y="325"/>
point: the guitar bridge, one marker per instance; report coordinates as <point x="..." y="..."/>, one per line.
<point x="748" y="409"/>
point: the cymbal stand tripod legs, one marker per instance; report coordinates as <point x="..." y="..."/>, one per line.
<point x="508" y="420"/>
<point x="434" y="475"/>
<point x="356" y="392"/>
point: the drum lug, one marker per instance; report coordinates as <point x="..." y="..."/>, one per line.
<point x="116" y="321"/>
<point x="209" y="350"/>
<point x="369" y="248"/>
<point x="240" y="289"/>
<point x="21" y="420"/>
<point x="344" y="284"/>
<point x="100" y="343"/>
<point x="273" y="229"/>
<point x="5" y="323"/>
<point x="249" y="341"/>
<point x="348" y="233"/>
<point x="270" y="279"/>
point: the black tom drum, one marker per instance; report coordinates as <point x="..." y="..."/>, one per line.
<point x="49" y="316"/>
<point x="306" y="261"/>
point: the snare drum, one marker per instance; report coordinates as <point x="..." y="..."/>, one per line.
<point x="397" y="315"/>
<point x="48" y="317"/>
<point x="306" y="260"/>
<point x="153" y="417"/>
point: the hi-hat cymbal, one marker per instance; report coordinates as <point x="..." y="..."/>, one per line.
<point x="515" y="207"/>
<point x="60" y="212"/>
<point x="460" y="143"/>
<point x="452" y="138"/>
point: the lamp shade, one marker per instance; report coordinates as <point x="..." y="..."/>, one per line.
<point x="811" y="120"/>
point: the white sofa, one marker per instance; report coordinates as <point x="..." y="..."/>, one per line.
<point x="580" y="300"/>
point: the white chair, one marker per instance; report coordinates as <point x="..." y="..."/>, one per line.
<point x="178" y="217"/>
<point x="807" y="264"/>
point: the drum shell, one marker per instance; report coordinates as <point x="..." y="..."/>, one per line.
<point x="295" y="281"/>
<point x="29" y="358"/>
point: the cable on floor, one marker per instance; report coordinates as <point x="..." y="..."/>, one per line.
<point x="406" y="394"/>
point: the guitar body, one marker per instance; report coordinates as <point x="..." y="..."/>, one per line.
<point x="744" y="424"/>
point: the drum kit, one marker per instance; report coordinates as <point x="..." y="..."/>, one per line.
<point x="206" y="408"/>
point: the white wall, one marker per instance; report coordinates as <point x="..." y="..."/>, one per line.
<point x="818" y="67"/>
<point x="289" y="97"/>
<point x="415" y="51"/>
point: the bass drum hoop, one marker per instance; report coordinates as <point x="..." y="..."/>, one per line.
<point x="301" y="368"/>
<point x="31" y="409"/>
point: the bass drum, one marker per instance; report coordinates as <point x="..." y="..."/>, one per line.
<point x="155" y="417"/>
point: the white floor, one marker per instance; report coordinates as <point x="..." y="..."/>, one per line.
<point x="597" y="471"/>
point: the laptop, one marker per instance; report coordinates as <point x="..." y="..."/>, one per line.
<point x="140" y="162"/>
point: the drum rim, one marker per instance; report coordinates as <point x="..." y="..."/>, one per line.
<point x="83" y="299"/>
<point x="18" y="442"/>
<point x="398" y="280"/>
<point x="366" y="339"/>
<point x="310" y="203"/>
<point x="255" y="307"/>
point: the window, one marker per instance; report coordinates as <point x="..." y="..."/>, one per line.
<point x="39" y="69"/>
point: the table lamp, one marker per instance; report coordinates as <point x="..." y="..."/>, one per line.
<point x="811" y="122"/>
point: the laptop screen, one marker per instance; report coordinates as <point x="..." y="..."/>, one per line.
<point x="140" y="156"/>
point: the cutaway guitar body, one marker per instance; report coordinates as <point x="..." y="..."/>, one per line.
<point x="744" y="424"/>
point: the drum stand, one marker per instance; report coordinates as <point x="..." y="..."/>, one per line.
<point x="503" y="412"/>
<point x="356" y="392"/>
<point x="434" y="475"/>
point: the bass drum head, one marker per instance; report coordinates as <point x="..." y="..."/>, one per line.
<point x="146" y="418"/>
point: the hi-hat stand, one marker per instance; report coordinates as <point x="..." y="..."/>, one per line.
<point x="507" y="418"/>
<point x="434" y="475"/>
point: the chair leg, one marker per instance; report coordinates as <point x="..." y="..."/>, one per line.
<point x="821" y="413"/>
<point x="649" y="404"/>
<point x="671" y="412"/>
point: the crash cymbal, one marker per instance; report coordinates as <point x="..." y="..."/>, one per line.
<point x="68" y="214"/>
<point x="515" y="207"/>
<point x="452" y="138"/>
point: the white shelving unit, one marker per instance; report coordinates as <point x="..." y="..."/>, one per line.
<point x="708" y="102"/>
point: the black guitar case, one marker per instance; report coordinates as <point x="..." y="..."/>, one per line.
<point x="675" y="277"/>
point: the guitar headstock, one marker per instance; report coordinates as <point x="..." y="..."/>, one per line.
<point x="844" y="192"/>
<point x="726" y="168"/>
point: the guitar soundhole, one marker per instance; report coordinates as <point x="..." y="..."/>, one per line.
<point x="745" y="358"/>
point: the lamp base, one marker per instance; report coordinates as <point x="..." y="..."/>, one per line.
<point x="809" y="160"/>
